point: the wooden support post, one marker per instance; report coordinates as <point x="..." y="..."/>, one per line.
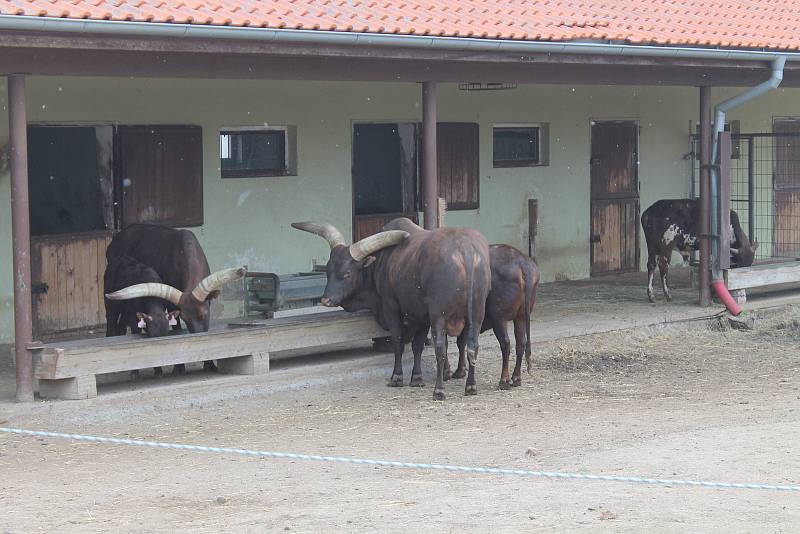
<point x="21" y="236"/>
<point x="430" y="190"/>
<point x="705" y="196"/>
<point x="255" y="364"/>
<point x="79" y="387"/>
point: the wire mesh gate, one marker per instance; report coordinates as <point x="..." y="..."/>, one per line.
<point x="765" y="188"/>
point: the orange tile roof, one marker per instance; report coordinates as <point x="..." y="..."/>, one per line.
<point x="720" y="23"/>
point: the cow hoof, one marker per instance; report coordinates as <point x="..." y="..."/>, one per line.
<point x="209" y="367"/>
<point x="438" y="394"/>
<point x="459" y="373"/>
<point x="396" y="381"/>
<point x="447" y="375"/>
<point x="471" y="389"/>
<point x="135" y="374"/>
<point x="505" y="384"/>
<point x="668" y="297"/>
<point x="157" y="371"/>
<point x="179" y="369"/>
<point x="516" y="381"/>
<point x="417" y="382"/>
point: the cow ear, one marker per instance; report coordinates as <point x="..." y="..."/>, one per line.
<point x="368" y="261"/>
<point x="214" y="294"/>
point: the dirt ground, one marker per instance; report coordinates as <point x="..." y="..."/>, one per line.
<point x="690" y="400"/>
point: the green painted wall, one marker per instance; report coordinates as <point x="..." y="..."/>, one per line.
<point x="247" y="220"/>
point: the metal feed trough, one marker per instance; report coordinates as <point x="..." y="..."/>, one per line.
<point x="266" y="293"/>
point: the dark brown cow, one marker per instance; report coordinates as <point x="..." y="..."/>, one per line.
<point x="410" y="282"/>
<point x="177" y="257"/>
<point x="142" y="315"/>
<point x="515" y="279"/>
<point x="674" y="224"/>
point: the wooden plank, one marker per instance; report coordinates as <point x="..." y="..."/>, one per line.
<point x="766" y="275"/>
<point x="107" y="355"/>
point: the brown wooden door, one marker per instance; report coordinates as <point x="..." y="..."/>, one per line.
<point x="160" y="174"/>
<point x="786" y="185"/>
<point x="614" y="208"/>
<point x="67" y="273"/>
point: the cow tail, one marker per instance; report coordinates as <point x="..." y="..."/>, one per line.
<point x="474" y="329"/>
<point x="527" y="274"/>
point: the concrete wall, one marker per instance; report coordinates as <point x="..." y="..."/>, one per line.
<point x="247" y="220"/>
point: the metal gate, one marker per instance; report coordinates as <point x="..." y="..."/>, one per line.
<point x="765" y="188"/>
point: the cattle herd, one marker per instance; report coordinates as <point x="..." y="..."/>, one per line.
<point x="447" y="281"/>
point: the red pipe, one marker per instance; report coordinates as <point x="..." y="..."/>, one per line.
<point x="722" y="293"/>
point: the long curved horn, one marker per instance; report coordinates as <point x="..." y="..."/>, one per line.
<point x="150" y="289"/>
<point x="734" y="251"/>
<point x="370" y="245"/>
<point x="216" y="280"/>
<point x="325" y="230"/>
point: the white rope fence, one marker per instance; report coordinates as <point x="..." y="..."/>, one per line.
<point x="404" y="465"/>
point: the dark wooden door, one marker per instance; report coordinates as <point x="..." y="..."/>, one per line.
<point x="786" y="185"/>
<point x="614" y="203"/>
<point x="160" y="174"/>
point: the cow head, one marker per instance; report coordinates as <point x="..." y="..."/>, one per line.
<point x="745" y="254"/>
<point x="156" y="323"/>
<point x="346" y="263"/>
<point x="194" y="306"/>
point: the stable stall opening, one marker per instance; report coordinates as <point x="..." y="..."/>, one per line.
<point x="85" y="183"/>
<point x="765" y="188"/>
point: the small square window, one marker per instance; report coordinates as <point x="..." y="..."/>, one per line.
<point x="517" y="146"/>
<point x="254" y="152"/>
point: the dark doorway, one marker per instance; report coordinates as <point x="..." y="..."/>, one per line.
<point x="614" y="208"/>
<point x="66" y="194"/>
<point x="384" y="175"/>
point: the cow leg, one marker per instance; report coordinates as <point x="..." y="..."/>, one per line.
<point x="521" y="338"/>
<point x="501" y="333"/>
<point x="417" y="346"/>
<point x="440" y="346"/>
<point x="651" y="271"/>
<point x="663" y="268"/>
<point x="157" y="371"/>
<point x="461" y="342"/>
<point x="396" y="381"/>
<point x="209" y="366"/>
<point x="179" y="369"/>
<point x="471" y="387"/>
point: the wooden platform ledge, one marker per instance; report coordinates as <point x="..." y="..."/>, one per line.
<point x="67" y="370"/>
<point x="743" y="278"/>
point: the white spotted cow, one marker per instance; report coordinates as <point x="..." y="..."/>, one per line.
<point x="675" y="225"/>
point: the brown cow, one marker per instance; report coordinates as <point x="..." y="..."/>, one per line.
<point x="410" y="282"/>
<point x="515" y="279"/>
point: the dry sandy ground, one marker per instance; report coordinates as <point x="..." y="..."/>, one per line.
<point x="684" y="401"/>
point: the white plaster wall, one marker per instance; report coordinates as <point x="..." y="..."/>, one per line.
<point x="247" y="220"/>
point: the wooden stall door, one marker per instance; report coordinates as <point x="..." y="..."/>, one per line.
<point x="71" y="210"/>
<point x="67" y="275"/>
<point x="786" y="185"/>
<point x="614" y="207"/>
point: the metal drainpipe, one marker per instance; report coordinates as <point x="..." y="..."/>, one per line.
<point x="719" y="125"/>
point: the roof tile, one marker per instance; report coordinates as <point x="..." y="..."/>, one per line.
<point x="729" y="23"/>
